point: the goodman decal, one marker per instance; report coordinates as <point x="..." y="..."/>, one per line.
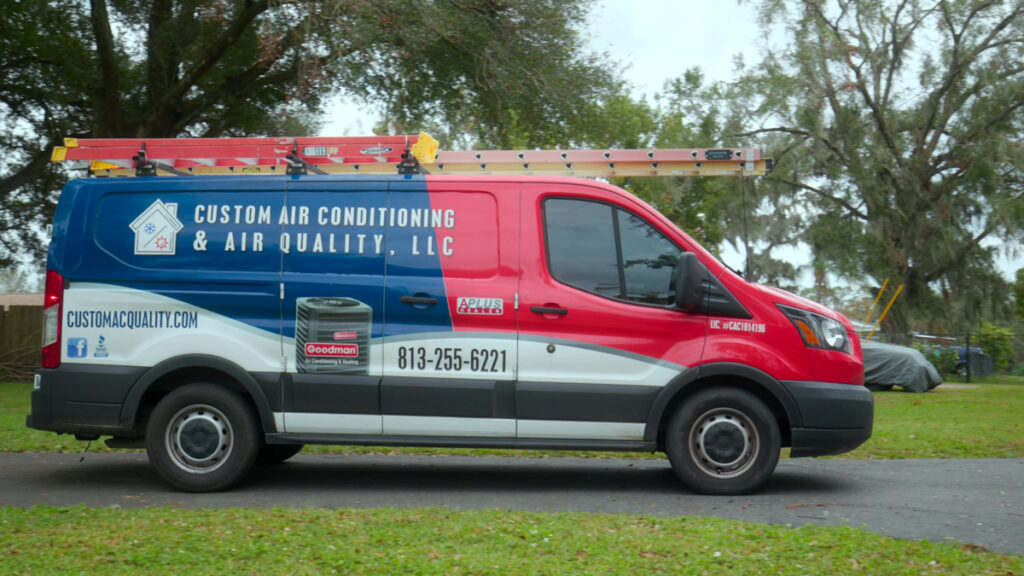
<point x="329" y="350"/>
<point x="329" y="229"/>
<point x="132" y="319"/>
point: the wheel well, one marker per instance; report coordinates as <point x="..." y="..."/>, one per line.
<point x="736" y="382"/>
<point x="182" y="377"/>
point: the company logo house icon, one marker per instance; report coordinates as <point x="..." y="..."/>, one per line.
<point x="156" y="229"/>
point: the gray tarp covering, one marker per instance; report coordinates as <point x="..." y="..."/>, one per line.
<point x="887" y="365"/>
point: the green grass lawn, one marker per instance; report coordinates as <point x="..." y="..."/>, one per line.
<point x="952" y="421"/>
<point x="432" y="541"/>
<point x="982" y="420"/>
<point x="949" y="422"/>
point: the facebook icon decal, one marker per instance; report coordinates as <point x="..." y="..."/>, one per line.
<point x="77" y="347"/>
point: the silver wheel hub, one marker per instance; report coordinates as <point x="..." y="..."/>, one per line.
<point x="199" y="439"/>
<point x="723" y="442"/>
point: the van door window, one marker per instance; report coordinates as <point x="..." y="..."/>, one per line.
<point x="649" y="261"/>
<point x="581" y="245"/>
<point x="608" y="251"/>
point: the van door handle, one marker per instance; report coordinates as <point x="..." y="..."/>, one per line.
<point x="414" y="300"/>
<point x="548" y="310"/>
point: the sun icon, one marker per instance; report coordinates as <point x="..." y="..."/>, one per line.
<point x="161" y="243"/>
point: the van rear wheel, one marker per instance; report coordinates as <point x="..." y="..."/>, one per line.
<point x="723" y="440"/>
<point x="202" y="438"/>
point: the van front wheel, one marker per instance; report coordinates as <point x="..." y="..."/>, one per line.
<point x="723" y="441"/>
<point x="202" y="438"/>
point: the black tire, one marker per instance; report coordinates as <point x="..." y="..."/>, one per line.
<point x="202" y="438"/>
<point x="723" y="440"/>
<point x="273" y="454"/>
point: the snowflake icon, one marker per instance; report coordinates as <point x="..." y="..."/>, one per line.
<point x="161" y="243"/>
<point x="150" y="228"/>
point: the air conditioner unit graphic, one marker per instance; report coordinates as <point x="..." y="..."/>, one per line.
<point x="332" y="336"/>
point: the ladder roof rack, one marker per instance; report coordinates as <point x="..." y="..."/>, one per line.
<point x="414" y="154"/>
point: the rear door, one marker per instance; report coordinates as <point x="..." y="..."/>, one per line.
<point x="450" y="321"/>
<point x="599" y="338"/>
<point x="180" y="266"/>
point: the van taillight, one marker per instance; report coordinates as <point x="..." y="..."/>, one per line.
<point x="52" y="301"/>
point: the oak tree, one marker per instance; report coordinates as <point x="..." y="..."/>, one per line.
<point x="488" y="71"/>
<point x="897" y="124"/>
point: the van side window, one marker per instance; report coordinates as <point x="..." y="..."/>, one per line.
<point x="581" y="245"/>
<point x="608" y="251"/>
<point x="649" y="261"/>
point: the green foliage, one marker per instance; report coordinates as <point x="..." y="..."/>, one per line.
<point x="943" y="358"/>
<point x="46" y="63"/>
<point x="997" y="343"/>
<point x="690" y="113"/>
<point x="895" y="129"/>
<point x="493" y="73"/>
<point x="438" y="541"/>
<point x="977" y="421"/>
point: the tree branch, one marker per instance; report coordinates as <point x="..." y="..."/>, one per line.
<point x="807" y="135"/>
<point x="162" y="58"/>
<point x="206" y="62"/>
<point x="31" y="171"/>
<point x="899" y="45"/>
<point x="957" y="258"/>
<point x="107" y="103"/>
<point x="233" y="87"/>
<point x="849" y="207"/>
<point x="944" y="106"/>
<point x="876" y="111"/>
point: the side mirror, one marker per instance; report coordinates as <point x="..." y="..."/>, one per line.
<point x="690" y="290"/>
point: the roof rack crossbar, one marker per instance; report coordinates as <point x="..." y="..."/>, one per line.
<point x="146" y="167"/>
<point x="297" y="165"/>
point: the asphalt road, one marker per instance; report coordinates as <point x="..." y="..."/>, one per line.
<point x="978" y="502"/>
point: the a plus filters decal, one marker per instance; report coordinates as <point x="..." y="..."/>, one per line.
<point x="480" y="306"/>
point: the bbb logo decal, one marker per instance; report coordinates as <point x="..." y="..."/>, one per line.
<point x="101" y="348"/>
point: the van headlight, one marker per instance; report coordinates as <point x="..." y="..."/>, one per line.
<point x="818" y="331"/>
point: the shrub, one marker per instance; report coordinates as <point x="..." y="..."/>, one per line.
<point x="996" y="342"/>
<point x="944" y="359"/>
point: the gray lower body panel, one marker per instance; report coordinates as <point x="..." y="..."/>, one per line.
<point x="90" y="400"/>
<point x="835" y="418"/>
<point x="82" y="399"/>
<point x="467" y="442"/>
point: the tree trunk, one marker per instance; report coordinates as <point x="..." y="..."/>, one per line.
<point x="897" y="323"/>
